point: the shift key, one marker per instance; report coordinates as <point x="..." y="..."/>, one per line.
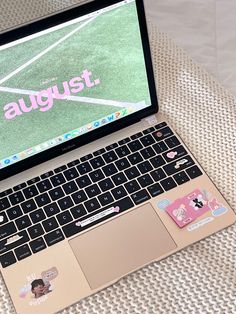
<point x="7" y="230"/>
<point x="13" y="241"/>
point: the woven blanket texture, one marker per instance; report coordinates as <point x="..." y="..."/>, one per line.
<point x="201" y="278"/>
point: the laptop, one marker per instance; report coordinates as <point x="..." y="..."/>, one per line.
<point x="95" y="183"/>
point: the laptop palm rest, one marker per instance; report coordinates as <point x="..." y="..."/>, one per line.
<point x="122" y="245"/>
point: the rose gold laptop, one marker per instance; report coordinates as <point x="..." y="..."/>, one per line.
<point x="94" y="182"/>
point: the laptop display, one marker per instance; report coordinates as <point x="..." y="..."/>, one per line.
<point x="70" y="79"/>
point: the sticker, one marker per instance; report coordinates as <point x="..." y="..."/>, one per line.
<point x="171" y="154"/>
<point x="200" y="223"/>
<point x="162" y="204"/>
<point x="181" y="162"/>
<point x="188" y="208"/>
<point x="37" y="288"/>
<point x="98" y="216"/>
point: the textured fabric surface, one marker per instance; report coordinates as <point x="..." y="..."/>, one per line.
<point x="201" y="278"/>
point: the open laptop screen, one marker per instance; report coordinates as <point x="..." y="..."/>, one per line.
<point x="70" y="79"/>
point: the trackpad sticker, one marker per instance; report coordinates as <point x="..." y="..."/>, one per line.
<point x="122" y="245"/>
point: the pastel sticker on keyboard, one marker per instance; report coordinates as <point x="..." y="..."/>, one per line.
<point x="188" y="208"/>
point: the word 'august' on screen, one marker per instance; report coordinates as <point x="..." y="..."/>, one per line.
<point x="44" y="99"/>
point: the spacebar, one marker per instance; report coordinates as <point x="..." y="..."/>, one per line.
<point x="97" y="217"/>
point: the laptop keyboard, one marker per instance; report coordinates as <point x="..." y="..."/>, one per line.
<point x="69" y="199"/>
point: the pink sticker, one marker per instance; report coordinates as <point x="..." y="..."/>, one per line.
<point x="188" y="208"/>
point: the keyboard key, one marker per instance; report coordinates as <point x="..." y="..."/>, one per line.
<point x="73" y="163"/>
<point x="149" y="130"/>
<point x="168" y="184"/>
<point x="99" y="152"/>
<point x="57" y="180"/>
<point x="106" y="198"/>
<point x="122" y="164"/>
<point x="160" y="125"/>
<point x="56" y="193"/>
<point x="83" y="181"/>
<point x="7" y="230"/>
<point x="84" y="168"/>
<point x="42" y="200"/>
<point x="28" y="206"/>
<point x="30" y="191"/>
<point x="145" y="167"/>
<point x="79" y="197"/>
<point x="65" y="203"/>
<point x="11" y="243"/>
<point x="3" y="218"/>
<point x="47" y="175"/>
<point x="181" y="177"/>
<point x="109" y="170"/>
<point x="106" y="184"/>
<point x="7" y="259"/>
<point x="54" y="237"/>
<point x="19" y="187"/>
<point x="119" y="192"/>
<point x="178" y="165"/>
<point x="50" y="224"/>
<point x="158" y="174"/>
<point x="36" y="231"/>
<point x="132" y="186"/>
<point x="33" y="181"/>
<point x="119" y="178"/>
<point x="132" y="173"/>
<point x="97" y="162"/>
<point x="160" y="147"/>
<point x="162" y="133"/>
<point x="110" y="156"/>
<point x="147" y="152"/>
<point x="157" y="161"/>
<point x="23" y="222"/>
<point x="51" y="209"/>
<point x="37" y="245"/>
<point x="92" y="190"/>
<point x="137" y="135"/>
<point x="64" y="218"/>
<point x="111" y="146"/>
<point x="147" y="140"/>
<point x="124" y="141"/>
<point x="123" y="204"/>
<point x="86" y="157"/>
<point x="135" y="146"/>
<point x="44" y="186"/>
<point x="37" y="216"/>
<point x="78" y="211"/>
<point x="16" y="198"/>
<point x="70" y="187"/>
<point x="92" y="205"/>
<point x="135" y="158"/>
<point x="6" y="192"/>
<point x="22" y="252"/>
<point x="145" y="180"/>
<point x="172" y="142"/>
<point x="96" y="175"/>
<point x="140" y="197"/>
<point x="155" y="189"/>
<point x="14" y="212"/>
<point x="60" y="169"/>
<point x="194" y="172"/>
<point x="122" y="151"/>
<point x="71" y="174"/>
<point x="175" y="153"/>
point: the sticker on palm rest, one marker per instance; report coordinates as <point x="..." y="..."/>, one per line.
<point x="193" y="205"/>
<point x="37" y="288"/>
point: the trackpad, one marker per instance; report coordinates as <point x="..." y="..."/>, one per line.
<point x="121" y="245"/>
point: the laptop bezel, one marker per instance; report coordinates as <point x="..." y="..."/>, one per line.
<point x="61" y="17"/>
